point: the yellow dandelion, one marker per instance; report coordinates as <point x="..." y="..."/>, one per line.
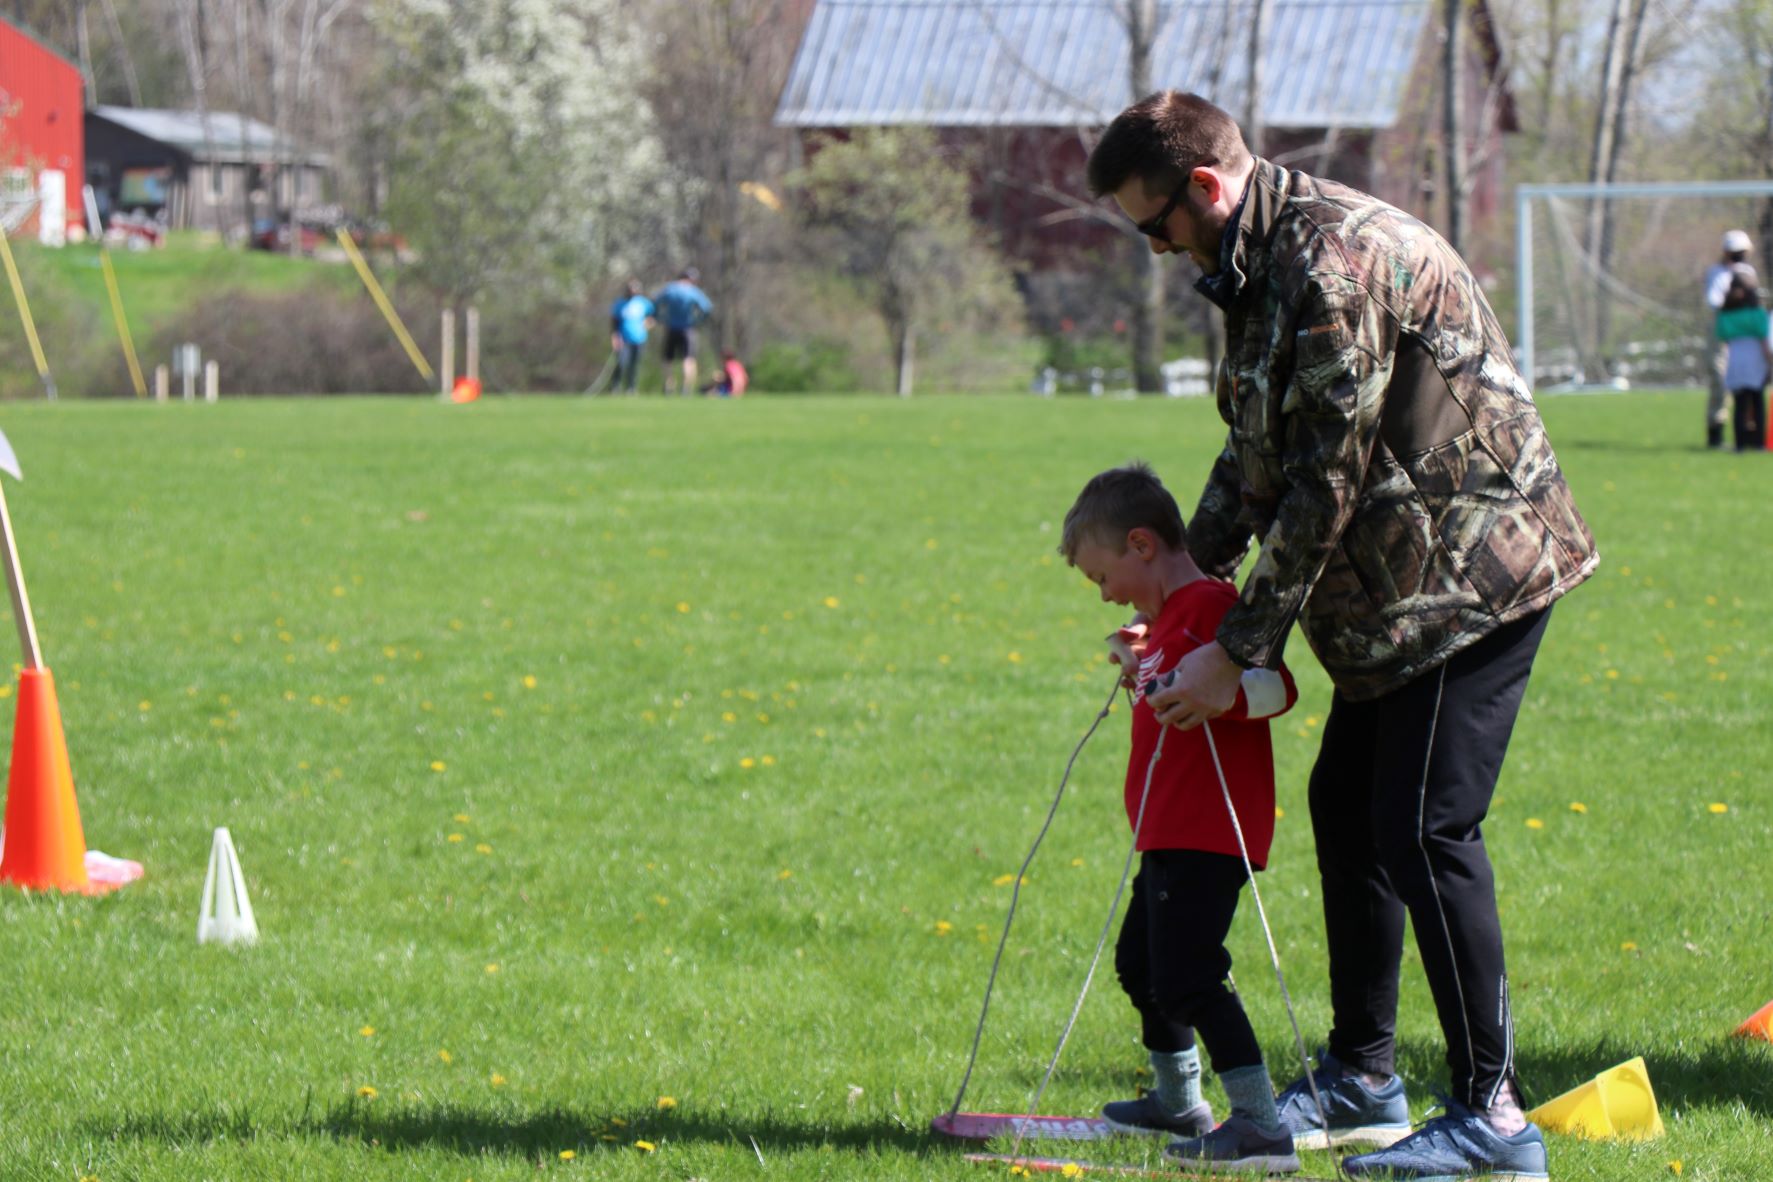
<point x="768" y="761"/>
<point x="1674" y="1167"/>
<point x="1077" y="861"/>
<point x="496" y="1080"/>
<point x="460" y="818"/>
<point x="831" y="601"/>
<point x="1015" y="658"/>
<point x="1019" y="1171"/>
<point x="661" y="900"/>
<point x="446" y="1057"/>
<point x="943" y="927"/>
<point x="747" y="762"/>
<point x="784" y="875"/>
<point x="683" y="607"/>
<point x="1629" y="946"/>
<point x="455" y="837"/>
<point x="529" y="682"/>
<point x="368" y="1032"/>
<point x="1006" y="880"/>
<point x="1576" y="806"/>
<point x="729" y="716"/>
<point x="366" y="1092"/>
<point x="645" y="1146"/>
<point x="618" y="1122"/>
<point x="1717" y="808"/>
<point x="567" y="1155"/>
<point x="667" y="1102"/>
<point x="482" y="848"/>
<point x="1070" y="1169"/>
<point x="144" y="706"/>
<point x="492" y="968"/>
<point x="437" y="765"/>
<point x="1279" y="812"/>
<point x="1535" y="823"/>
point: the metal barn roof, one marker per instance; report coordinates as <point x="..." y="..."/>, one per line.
<point x="1063" y="63"/>
<point x="233" y="138"/>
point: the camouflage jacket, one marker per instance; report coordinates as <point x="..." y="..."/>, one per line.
<point x="1383" y="449"/>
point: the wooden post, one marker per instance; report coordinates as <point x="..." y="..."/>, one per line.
<point x="162" y="383"/>
<point x="212" y="381"/>
<point x="21" y="602"/>
<point x="448" y="369"/>
<point x="474" y="342"/>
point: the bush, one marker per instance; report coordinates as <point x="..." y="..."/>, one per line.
<point x="817" y="365"/>
<point x="309" y="341"/>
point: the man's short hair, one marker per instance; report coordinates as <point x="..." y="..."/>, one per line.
<point x="1118" y="501"/>
<point x="1162" y="138"/>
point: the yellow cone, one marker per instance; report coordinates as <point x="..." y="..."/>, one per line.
<point x="1617" y="1104"/>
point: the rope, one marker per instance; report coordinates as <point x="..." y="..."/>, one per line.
<point x="1108" y="924"/>
<point x="1268" y="934"/>
<point x="1101" y="942"/>
<point x="1016" y="892"/>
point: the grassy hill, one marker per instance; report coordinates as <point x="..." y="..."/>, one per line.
<point x="72" y="310"/>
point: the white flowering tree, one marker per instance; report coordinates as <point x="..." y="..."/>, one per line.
<point x="524" y="159"/>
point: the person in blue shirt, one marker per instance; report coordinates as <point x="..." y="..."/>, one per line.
<point x="683" y="306"/>
<point x="629" y="318"/>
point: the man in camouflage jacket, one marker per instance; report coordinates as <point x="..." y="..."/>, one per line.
<point x="1388" y="460"/>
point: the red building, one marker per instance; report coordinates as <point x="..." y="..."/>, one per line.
<point x="41" y="123"/>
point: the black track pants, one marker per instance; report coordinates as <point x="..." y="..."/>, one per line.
<point x="1171" y="955"/>
<point x="1400" y="787"/>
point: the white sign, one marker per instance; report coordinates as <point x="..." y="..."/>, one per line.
<point x="52" y="207"/>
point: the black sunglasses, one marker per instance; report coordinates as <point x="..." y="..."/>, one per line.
<point x="1154" y="227"/>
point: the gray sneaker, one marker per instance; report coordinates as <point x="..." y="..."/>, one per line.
<point x="1238" y="1144"/>
<point x="1456" y="1146"/>
<point x="1146" y="1115"/>
<point x="1358" y="1115"/>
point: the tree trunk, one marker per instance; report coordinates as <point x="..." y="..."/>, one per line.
<point x="83" y="41"/>
<point x="905" y="351"/>
<point x="1453" y="130"/>
<point x="1148" y="332"/>
<point x="121" y="45"/>
<point x="1255" y="120"/>
<point x="1603" y="249"/>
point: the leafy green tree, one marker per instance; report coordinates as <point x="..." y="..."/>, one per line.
<point x="894" y="209"/>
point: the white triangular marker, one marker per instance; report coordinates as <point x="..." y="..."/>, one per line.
<point x="8" y="458"/>
<point x="225" y="916"/>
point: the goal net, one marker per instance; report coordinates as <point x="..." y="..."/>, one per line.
<point x="1610" y="278"/>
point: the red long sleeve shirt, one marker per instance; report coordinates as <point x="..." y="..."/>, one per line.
<point x="1186" y="809"/>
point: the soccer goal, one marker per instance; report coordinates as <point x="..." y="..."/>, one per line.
<point x="1609" y="278"/>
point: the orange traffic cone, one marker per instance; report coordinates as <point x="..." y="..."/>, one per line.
<point x="465" y="390"/>
<point x="44" y="844"/>
<point x="1759" y="1024"/>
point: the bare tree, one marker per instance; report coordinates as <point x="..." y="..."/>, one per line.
<point x="1453" y="117"/>
<point x="194" y="38"/>
<point x="714" y="90"/>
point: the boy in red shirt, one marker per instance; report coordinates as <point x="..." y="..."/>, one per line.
<point x="1126" y="535"/>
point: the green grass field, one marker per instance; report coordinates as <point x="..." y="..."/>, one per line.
<point x="622" y="772"/>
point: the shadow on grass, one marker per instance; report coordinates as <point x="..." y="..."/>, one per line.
<point x="538" y="1135"/>
<point x="1717" y="1073"/>
<point x="1646" y="446"/>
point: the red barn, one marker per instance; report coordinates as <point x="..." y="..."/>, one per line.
<point x="42" y="123"/>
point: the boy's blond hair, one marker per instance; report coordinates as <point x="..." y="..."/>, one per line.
<point x="1117" y="501"/>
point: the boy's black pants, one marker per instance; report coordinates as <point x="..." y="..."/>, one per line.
<point x="1171" y="955"/>
<point x="1399" y="789"/>
<point x="1750" y="405"/>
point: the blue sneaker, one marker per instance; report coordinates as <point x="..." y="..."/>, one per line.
<point x="1455" y="1147"/>
<point x="1146" y="1115"/>
<point x="1357" y="1113"/>
<point x="1238" y="1144"/>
